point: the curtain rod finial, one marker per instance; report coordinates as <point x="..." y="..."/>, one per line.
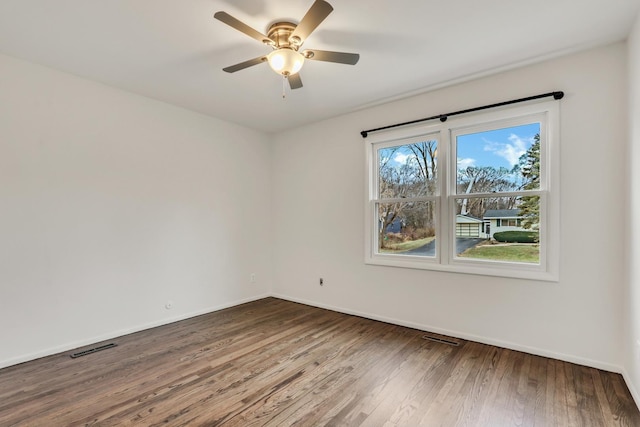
<point x="558" y="95"/>
<point x="364" y="133"/>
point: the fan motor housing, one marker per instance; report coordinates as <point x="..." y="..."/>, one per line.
<point x="280" y="32"/>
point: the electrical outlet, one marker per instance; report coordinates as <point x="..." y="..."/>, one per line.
<point x="252" y="277"/>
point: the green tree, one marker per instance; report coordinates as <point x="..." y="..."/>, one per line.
<point x="530" y="170"/>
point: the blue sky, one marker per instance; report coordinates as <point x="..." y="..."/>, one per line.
<point x="497" y="148"/>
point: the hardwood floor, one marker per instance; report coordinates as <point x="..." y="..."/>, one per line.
<point x="278" y="363"/>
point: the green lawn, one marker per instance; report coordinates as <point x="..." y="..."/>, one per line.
<point x="508" y="252"/>
<point x="405" y="246"/>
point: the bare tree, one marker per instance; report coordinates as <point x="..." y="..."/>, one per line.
<point x="415" y="177"/>
<point x="485" y="179"/>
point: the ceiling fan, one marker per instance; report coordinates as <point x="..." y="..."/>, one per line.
<point x="286" y="38"/>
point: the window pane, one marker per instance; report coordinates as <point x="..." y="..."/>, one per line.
<point x="406" y="228"/>
<point x="497" y="160"/>
<point x="502" y="229"/>
<point x="407" y="170"/>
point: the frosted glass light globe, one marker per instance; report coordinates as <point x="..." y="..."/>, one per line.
<point x="285" y="61"/>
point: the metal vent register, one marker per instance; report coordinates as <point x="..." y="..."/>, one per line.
<point x="92" y="350"/>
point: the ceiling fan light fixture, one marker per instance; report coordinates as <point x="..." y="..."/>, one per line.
<point x="285" y="61"/>
<point x="286" y="39"/>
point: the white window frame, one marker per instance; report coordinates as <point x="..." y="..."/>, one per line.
<point x="548" y="114"/>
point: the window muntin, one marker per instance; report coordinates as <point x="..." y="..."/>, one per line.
<point x="527" y="185"/>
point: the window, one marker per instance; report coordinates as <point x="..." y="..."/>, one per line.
<point x="476" y="194"/>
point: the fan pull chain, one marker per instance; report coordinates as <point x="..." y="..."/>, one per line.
<point x="284" y="86"/>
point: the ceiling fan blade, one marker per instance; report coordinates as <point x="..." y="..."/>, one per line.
<point x="325" y="55"/>
<point x="294" y="81"/>
<point x="314" y="16"/>
<point x="242" y="27"/>
<point x="245" y="64"/>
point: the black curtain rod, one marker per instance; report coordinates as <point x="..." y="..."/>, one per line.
<point x="443" y="117"/>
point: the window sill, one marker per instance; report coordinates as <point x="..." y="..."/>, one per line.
<point x="481" y="268"/>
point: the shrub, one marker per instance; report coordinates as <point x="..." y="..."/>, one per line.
<point x="517" y="236"/>
<point x="394" y="238"/>
<point x="415" y="233"/>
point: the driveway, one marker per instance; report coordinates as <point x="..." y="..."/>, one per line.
<point x="462" y="244"/>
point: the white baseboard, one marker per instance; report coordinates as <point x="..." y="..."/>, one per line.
<point x="457" y="334"/>
<point x="115" y="334"/>
<point x="481" y="339"/>
<point x="631" y="387"/>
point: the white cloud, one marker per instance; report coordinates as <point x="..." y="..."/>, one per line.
<point x="402" y="158"/>
<point x="511" y="151"/>
<point x="465" y="163"/>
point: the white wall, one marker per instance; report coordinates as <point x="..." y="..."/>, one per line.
<point x="112" y="204"/>
<point x="319" y="182"/>
<point x="632" y="297"/>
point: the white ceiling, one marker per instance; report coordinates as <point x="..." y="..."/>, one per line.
<point x="174" y="51"/>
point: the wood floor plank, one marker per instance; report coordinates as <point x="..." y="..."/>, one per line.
<point x="277" y="363"/>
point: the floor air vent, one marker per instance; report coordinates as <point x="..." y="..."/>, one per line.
<point x="92" y="350"/>
<point x="441" y="340"/>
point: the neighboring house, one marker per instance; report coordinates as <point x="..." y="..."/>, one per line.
<point x="468" y="226"/>
<point x="497" y="220"/>
<point x="494" y="221"/>
<point x="396" y="226"/>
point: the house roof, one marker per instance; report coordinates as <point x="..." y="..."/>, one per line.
<point x="502" y="213"/>
<point x="465" y="219"/>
